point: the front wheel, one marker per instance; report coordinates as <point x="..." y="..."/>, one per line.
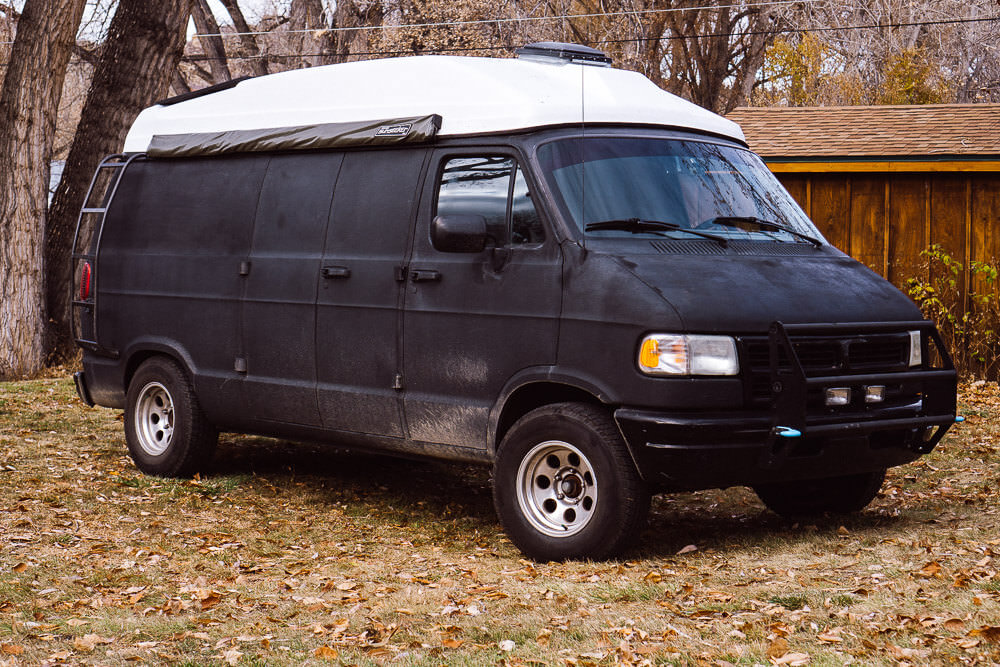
<point x="166" y="431"/>
<point x="807" y="498"/>
<point x="565" y="486"/>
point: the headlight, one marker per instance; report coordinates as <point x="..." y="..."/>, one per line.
<point x="916" y="355"/>
<point x="676" y="354"/>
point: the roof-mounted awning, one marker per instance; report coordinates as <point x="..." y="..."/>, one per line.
<point x="298" y="138"/>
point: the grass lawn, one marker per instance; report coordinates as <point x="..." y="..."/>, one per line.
<point x="299" y="554"/>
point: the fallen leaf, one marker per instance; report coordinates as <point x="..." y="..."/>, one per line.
<point x="778" y="648"/>
<point x="901" y="653"/>
<point x="954" y="624"/>
<point x="507" y="645"/>
<point x="88" y="643"/>
<point x="326" y="653"/>
<point x="688" y="549"/>
<point x="544" y="637"/>
<point x="20" y="567"/>
<point x="11" y="649"/>
<point x="232" y="657"/>
<point x="932" y="569"/>
<point x="792" y="659"/>
<point x="990" y="633"/>
<point x="451" y="642"/>
<point x="831" y="636"/>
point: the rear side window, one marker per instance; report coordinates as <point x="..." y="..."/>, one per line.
<point x="495" y="188"/>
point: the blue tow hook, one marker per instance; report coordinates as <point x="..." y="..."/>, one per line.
<point x="787" y="432"/>
<point x="959" y="419"/>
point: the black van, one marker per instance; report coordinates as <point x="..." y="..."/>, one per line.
<point x="603" y="307"/>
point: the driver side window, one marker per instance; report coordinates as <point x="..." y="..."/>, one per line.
<point x="495" y="188"/>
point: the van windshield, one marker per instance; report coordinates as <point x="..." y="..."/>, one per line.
<point x="615" y="187"/>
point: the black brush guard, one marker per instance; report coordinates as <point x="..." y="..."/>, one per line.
<point x="790" y="386"/>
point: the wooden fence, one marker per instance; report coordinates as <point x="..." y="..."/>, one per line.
<point x="885" y="220"/>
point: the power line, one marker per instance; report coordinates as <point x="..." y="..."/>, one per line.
<point x="509" y="47"/>
<point x="510" y="19"/>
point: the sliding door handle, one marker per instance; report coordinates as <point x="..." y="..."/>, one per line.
<point x="336" y="272"/>
<point x="424" y="275"/>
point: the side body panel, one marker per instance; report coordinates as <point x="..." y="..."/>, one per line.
<point x="169" y="266"/>
<point x="359" y="296"/>
<point x="480" y="319"/>
<point x="279" y="301"/>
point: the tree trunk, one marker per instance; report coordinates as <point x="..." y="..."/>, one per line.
<point x="29" y="101"/>
<point x="137" y="64"/>
<point x="212" y="46"/>
<point x="248" y="41"/>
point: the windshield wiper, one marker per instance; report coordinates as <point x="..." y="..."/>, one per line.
<point x="738" y="221"/>
<point x="639" y="226"/>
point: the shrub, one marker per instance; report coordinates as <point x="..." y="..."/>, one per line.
<point x="970" y="326"/>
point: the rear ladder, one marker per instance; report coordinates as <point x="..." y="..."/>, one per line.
<point x="103" y="185"/>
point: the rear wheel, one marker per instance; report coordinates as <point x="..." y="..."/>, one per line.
<point x="806" y="498"/>
<point x="564" y="485"/>
<point x="166" y="431"/>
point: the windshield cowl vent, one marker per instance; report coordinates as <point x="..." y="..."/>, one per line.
<point x="555" y="52"/>
<point x="736" y="247"/>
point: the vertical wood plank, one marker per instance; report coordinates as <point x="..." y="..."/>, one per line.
<point x="830" y="209"/>
<point x="985" y="194"/>
<point x="868" y="216"/>
<point x="968" y="243"/>
<point x="886" y="228"/>
<point x="906" y="214"/>
<point x="948" y="216"/>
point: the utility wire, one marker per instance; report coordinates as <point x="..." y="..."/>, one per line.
<point x="509" y="47"/>
<point x="510" y="19"/>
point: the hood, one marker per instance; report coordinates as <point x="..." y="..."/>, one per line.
<point x="744" y="294"/>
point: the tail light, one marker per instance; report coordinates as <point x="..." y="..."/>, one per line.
<point x="85" y="277"/>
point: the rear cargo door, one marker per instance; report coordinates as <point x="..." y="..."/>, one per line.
<point x="358" y="307"/>
<point x="282" y="277"/>
<point x="473" y="320"/>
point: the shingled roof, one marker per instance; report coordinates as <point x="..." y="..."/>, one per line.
<point x="924" y="132"/>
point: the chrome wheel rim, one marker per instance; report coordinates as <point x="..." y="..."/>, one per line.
<point x="556" y="489"/>
<point x="154" y="419"/>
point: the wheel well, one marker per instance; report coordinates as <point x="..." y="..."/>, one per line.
<point x="527" y="398"/>
<point x="139" y="358"/>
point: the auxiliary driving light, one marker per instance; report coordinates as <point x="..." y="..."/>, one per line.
<point x="875" y="393"/>
<point x="838" y="395"/>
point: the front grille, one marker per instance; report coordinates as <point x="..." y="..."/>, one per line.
<point x="824" y="356"/>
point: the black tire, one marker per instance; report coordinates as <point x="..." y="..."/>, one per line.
<point x="813" y="497"/>
<point x="166" y="431"/>
<point x="565" y="486"/>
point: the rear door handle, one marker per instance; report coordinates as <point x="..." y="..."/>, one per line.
<point x="336" y="272"/>
<point x="424" y="275"/>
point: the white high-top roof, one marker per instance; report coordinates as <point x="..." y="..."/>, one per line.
<point x="472" y="95"/>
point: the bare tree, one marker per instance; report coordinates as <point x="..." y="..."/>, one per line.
<point x="885" y="52"/>
<point x="142" y="49"/>
<point x="29" y="100"/>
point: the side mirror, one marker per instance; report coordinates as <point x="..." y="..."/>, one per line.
<point x="459" y="233"/>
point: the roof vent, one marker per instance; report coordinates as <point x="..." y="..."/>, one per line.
<point x="559" y="51"/>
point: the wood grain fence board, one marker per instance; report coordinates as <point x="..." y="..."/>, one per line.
<point x="868" y="221"/>
<point x="830" y="199"/>
<point x="906" y="218"/>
